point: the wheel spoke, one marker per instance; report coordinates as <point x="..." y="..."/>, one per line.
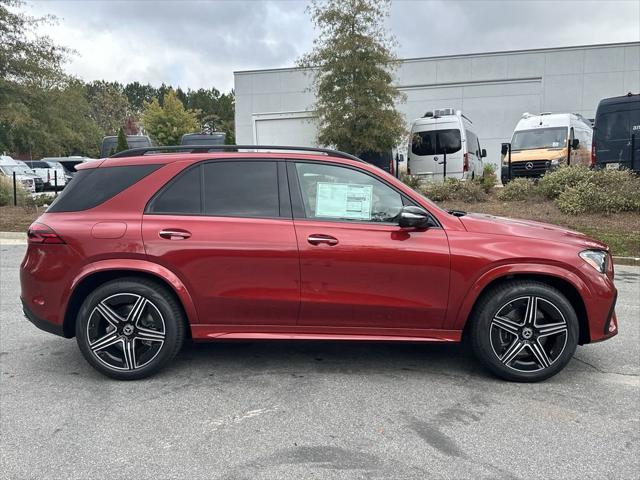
<point x="506" y="324"/>
<point x="129" y="354"/>
<point x="532" y="311"/>
<point x="552" y="329"/>
<point x="136" y="310"/>
<point x="539" y="354"/>
<point x="146" y="334"/>
<point x="109" y="315"/>
<point x="514" y="349"/>
<point x="106" y="341"/>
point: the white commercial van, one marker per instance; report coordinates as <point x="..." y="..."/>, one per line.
<point x="546" y="141"/>
<point x="443" y="144"/>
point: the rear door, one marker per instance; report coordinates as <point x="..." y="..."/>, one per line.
<point x="439" y="151"/>
<point x="616" y="135"/>
<point x="225" y="228"/>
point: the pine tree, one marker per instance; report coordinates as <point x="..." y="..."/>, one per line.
<point x="352" y="63"/>
<point x="122" y="141"/>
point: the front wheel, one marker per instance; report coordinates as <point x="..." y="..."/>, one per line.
<point x="129" y="329"/>
<point x="524" y="331"/>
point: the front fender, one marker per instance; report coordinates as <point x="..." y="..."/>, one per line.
<point x="460" y="317"/>
<point x="143" y="266"/>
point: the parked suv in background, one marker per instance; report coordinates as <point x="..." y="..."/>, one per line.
<point x="141" y="251"/>
<point x="617" y="133"/>
<point x="30" y="181"/>
<point x="52" y="173"/>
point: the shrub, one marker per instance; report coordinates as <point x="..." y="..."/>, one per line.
<point x="453" y="189"/>
<point x="518" y="189"/>
<point x="604" y="191"/>
<point x="6" y="193"/>
<point x="411" y="181"/>
<point x="489" y="179"/>
<point x="554" y="183"/>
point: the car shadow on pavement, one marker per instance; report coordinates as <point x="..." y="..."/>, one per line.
<point x="343" y="357"/>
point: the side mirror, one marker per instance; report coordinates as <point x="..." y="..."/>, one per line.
<point x="505" y="148"/>
<point x="414" y="217"/>
<point x="483" y="154"/>
<point x="574" y="143"/>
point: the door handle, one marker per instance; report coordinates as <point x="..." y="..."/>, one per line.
<point x="174" y="234"/>
<point x="318" y="238"/>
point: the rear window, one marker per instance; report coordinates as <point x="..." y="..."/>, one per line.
<point x="618" y="124"/>
<point x="436" y="142"/>
<point x="89" y="188"/>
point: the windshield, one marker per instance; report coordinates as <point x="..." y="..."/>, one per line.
<point x="436" y="142"/>
<point x="555" y="137"/>
<point x="19" y="169"/>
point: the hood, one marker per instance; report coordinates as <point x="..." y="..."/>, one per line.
<point x="537" y="154"/>
<point x="479" y="223"/>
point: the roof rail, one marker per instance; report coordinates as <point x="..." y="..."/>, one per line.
<point x="135" y="152"/>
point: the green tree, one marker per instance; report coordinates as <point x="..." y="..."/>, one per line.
<point x="167" y="123"/>
<point x="122" y="141"/>
<point x="109" y="105"/>
<point x="352" y="64"/>
<point x="42" y="110"/>
<point x="137" y="94"/>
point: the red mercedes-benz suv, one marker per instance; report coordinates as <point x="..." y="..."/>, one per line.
<point x="146" y="248"/>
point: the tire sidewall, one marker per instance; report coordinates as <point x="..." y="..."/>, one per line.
<point x="166" y="306"/>
<point x="482" y="325"/>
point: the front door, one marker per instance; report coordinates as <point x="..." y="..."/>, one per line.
<point x="225" y="228"/>
<point x="358" y="267"/>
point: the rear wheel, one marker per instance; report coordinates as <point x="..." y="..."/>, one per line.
<point x="130" y="328"/>
<point x="524" y="331"/>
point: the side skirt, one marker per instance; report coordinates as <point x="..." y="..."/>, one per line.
<point x="209" y="332"/>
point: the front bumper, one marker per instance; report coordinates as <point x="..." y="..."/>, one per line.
<point x="42" y="324"/>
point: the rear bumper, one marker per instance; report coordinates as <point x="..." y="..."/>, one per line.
<point x="42" y="324"/>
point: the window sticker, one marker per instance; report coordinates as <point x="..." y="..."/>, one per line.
<point x="344" y="200"/>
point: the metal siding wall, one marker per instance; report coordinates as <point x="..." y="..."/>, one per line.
<point x="492" y="89"/>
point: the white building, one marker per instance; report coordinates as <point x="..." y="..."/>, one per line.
<point x="493" y="89"/>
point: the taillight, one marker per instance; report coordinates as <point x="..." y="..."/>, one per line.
<point x="593" y="154"/>
<point x="465" y="165"/>
<point x="41" y="233"/>
<point x="391" y="169"/>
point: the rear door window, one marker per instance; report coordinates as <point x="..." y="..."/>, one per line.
<point x="241" y="189"/>
<point x="222" y="188"/>
<point x="436" y="142"/>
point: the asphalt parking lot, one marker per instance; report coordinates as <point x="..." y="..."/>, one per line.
<point x="325" y="410"/>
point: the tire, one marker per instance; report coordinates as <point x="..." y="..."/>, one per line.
<point x="130" y="328"/>
<point x="524" y="331"/>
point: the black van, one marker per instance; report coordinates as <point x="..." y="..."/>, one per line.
<point x="616" y="133"/>
<point x="133" y="141"/>
<point x="215" y="138"/>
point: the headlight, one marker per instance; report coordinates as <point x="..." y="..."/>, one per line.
<point x="596" y="258"/>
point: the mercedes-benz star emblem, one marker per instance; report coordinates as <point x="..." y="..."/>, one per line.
<point x="529" y="165"/>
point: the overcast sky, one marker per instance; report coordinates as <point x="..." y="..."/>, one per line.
<point x="200" y="43"/>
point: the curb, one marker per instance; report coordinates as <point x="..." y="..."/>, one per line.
<point x="13" y="238"/>
<point x="633" y="261"/>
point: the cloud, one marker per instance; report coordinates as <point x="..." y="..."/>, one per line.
<point x="200" y="43"/>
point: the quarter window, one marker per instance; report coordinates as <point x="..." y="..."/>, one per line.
<point x="338" y="193"/>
